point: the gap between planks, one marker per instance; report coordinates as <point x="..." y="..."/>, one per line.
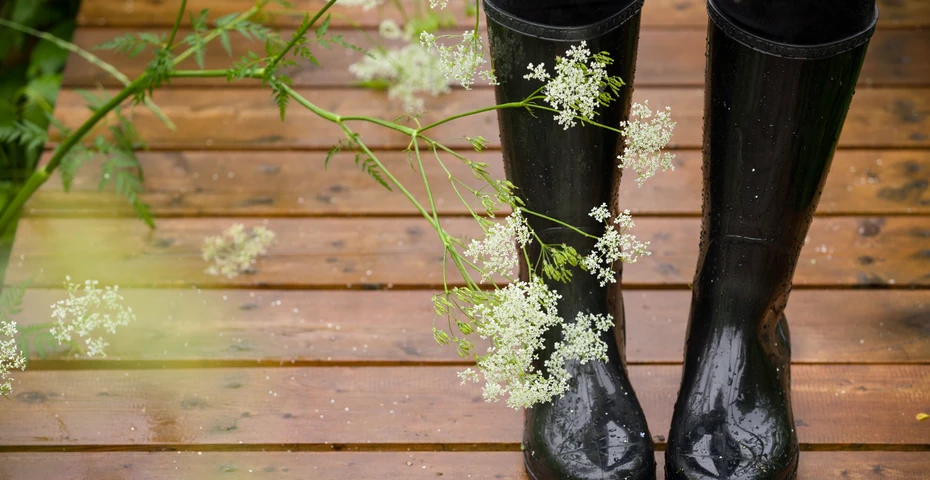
<point x="369" y="465"/>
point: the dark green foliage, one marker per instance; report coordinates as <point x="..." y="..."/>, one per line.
<point x="30" y="77"/>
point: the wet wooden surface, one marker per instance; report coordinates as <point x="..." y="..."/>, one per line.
<point x="321" y="363"/>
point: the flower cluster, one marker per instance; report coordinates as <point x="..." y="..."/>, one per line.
<point x="581" y="83"/>
<point x="613" y="246"/>
<point x="86" y="310"/>
<point x="406" y="72"/>
<point x="365" y="4"/>
<point x="462" y="61"/>
<point x="645" y="136"/>
<point x="497" y="252"/>
<point x="235" y="251"/>
<point x="11" y="357"/>
<point x="516" y="320"/>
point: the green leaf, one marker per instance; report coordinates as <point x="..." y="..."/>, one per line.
<point x="71" y="163"/>
<point x="11" y="300"/>
<point x="24" y="133"/>
<point x="224" y="40"/>
<point x="322" y="29"/>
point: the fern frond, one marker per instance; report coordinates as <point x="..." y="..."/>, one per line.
<point x="132" y="44"/>
<point x="23" y="133"/>
<point x="11" y="300"/>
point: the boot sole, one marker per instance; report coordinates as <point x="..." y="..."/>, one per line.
<point x="680" y="476"/>
<point x="529" y="471"/>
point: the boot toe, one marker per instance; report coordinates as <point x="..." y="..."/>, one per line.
<point x="618" y="461"/>
<point x="681" y="466"/>
<point x="596" y="430"/>
<point x="732" y="453"/>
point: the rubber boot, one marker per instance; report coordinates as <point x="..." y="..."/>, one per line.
<point x="780" y="78"/>
<point x="597" y="430"/>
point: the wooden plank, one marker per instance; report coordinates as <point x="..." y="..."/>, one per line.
<point x="377" y="465"/>
<point x="246" y="118"/>
<point x="386" y="253"/>
<point x="197" y="183"/>
<point x="268" y="327"/>
<point x="356" y="406"/>
<point x="656" y="13"/>
<point x="666" y="58"/>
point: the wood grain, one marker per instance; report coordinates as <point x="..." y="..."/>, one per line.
<point x="246" y="118"/>
<point x="420" y="406"/>
<point x="656" y="13"/>
<point x="267" y="327"/>
<point x="377" y="465"/>
<point x="666" y="58"/>
<point x="404" y="252"/>
<point x="224" y="183"/>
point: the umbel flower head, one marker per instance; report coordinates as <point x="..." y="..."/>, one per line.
<point x="516" y="319"/>
<point x="236" y="250"/>
<point x="580" y="85"/>
<point x="11" y="357"/>
<point x="407" y="72"/>
<point x="497" y="251"/>
<point x="613" y="246"/>
<point x="87" y="310"/>
<point x="645" y="135"/>
<point x="460" y="62"/>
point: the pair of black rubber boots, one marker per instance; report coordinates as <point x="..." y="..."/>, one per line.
<point x="780" y="77"/>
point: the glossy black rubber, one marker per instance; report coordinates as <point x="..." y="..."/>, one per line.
<point x="773" y="115"/>
<point x="597" y="430"/>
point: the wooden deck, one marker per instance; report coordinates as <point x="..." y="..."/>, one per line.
<point x="322" y="365"/>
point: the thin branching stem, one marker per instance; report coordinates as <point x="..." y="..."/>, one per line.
<point x="177" y="24"/>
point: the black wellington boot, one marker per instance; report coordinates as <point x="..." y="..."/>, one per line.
<point x="780" y="78"/>
<point x="597" y="430"/>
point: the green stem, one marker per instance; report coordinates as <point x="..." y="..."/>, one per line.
<point x="581" y="119"/>
<point x="41" y="175"/>
<point x="348" y="131"/>
<point x="470" y="113"/>
<point x="555" y="220"/>
<point x="215" y="33"/>
<point x="177" y="24"/>
<point x="393" y="126"/>
<point x="298" y="35"/>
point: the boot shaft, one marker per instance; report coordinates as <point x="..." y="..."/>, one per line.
<point x="561" y="173"/>
<point x="771" y="124"/>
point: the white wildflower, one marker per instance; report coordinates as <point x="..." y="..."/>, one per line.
<point x="236" y="250"/>
<point x="516" y="320"/>
<point x="580" y="84"/>
<point x="645" y="139"/>
<point x="497" y="252"/>
<point x="11" y="357"/>
<point x="462" y="61"/>
<point x="390" y="30"/>
<point x="365" y="4"/>
<point x="438" y="4"/>
<point x="407" y="72"/>
<point x="613" y="246"/>
<point x="87" y="310"/>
